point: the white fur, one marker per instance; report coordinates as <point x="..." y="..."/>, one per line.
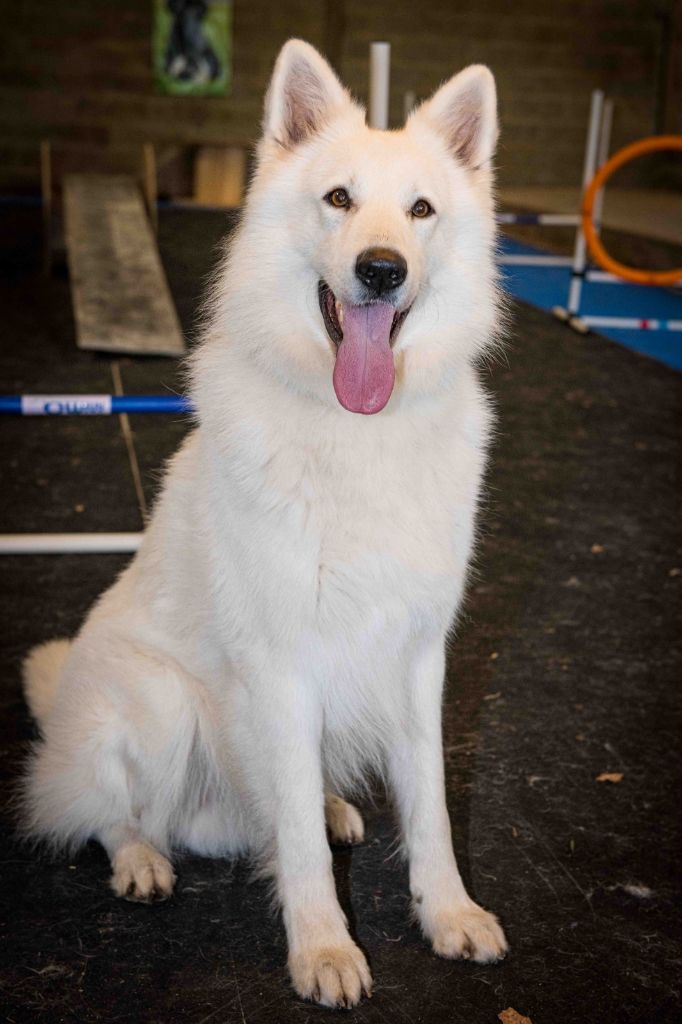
<point x="282" y="629"/>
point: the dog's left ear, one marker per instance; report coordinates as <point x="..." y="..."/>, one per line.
<point x="464" y="112"/>
<point x="303" y="96"/>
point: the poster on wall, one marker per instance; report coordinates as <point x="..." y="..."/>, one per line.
<point x="192" y="47"/>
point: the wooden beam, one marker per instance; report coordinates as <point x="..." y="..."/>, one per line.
<point x="120" y="295"/>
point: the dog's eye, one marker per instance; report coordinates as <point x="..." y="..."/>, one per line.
<point x="339" y="198"/>
<point x="422" y="208"/>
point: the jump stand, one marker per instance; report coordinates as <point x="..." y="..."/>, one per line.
<point x="597" y="167"/>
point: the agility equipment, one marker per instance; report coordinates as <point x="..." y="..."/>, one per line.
<point x="544" y="219"/>
<point x="379" y="84"/>
<point x="597" y="169"/>
<point x="120" y="295"/>
<point x="591" y="157"/>
<point x="121" y="299"/>
<point x="69" y="543"/>
<point x="92" y="405"/>
<point x="653" y="144"/>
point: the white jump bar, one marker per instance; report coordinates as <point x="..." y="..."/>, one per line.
<point x="69" y="543"/>
<point x="523" y="260"/>
<point x="529" y="219"/>
<point x="632" y="323"/>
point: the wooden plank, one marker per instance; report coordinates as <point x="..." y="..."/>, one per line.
<point x="219" y="175"/>
<point x="120" y="295"/>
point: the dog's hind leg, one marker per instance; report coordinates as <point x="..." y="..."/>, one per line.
<point x="140" y="872"/>
<point x="343" y="820"/>
<point x="122" y="760"/>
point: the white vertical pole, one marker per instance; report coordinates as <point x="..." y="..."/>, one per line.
<point x="604" y="146"/>
<point x="409" y="103"/>
<point x="379" y="84"/>
<point x="589" y="168"/>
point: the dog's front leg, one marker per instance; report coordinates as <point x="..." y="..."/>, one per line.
<point x="455" y="925"/>
<point x="325" y="964"/>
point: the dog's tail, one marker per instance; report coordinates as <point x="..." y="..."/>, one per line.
<point x="42" y="669"/>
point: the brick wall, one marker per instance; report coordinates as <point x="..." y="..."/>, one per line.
<point x="80" y="74"/>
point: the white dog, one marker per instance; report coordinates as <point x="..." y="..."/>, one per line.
<point x="281" y="633"/>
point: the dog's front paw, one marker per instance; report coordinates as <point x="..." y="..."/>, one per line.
<point x="468" y="933"/>
<point x="331" y="975"/>
<point x="141" y="874"/>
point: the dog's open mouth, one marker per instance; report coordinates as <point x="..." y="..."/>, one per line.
<point x="364" y="373"/>
<point x="332" y="314"/>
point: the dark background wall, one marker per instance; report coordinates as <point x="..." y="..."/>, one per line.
<point x="79" y="73"/>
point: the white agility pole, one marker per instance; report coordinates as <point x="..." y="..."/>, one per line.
<point x="379" y="84"/>
<point x="603" y="277"/>
<point x="632" y="323"/>
<point x="69" y="543"/>
<point x="589" y="169"/>
<point x="570" y="313"/>
<point x="523" y="260"/>
<point x="602" y="157"/>
<point x="409" y="103"/>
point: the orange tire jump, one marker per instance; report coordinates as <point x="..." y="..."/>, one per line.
<point x="597" y="250"/>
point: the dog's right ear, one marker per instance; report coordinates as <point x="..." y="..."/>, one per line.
<point x="303" y="96"/>
<point x="464" y="113"/>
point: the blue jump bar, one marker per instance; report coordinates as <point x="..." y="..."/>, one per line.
<point x="92" y="405"/>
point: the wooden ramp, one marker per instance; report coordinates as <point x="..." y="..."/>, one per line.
<point x="120" y="294"/>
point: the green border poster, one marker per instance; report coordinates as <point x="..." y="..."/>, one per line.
<point x="192" y="47"/>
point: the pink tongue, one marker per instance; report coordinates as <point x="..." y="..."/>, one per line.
<point x="364" y="372"/>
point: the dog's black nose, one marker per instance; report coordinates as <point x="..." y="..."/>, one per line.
<point x="381" y="270"/>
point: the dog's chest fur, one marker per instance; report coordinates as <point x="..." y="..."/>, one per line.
<point x="337" y="539"/>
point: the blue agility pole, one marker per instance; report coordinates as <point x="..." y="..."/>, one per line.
<point x="82" y="405"/>
<point x="547" y="219"/>
<point x="92" y="405"/>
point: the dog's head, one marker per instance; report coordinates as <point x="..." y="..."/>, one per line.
<point x="375" y="246"/>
